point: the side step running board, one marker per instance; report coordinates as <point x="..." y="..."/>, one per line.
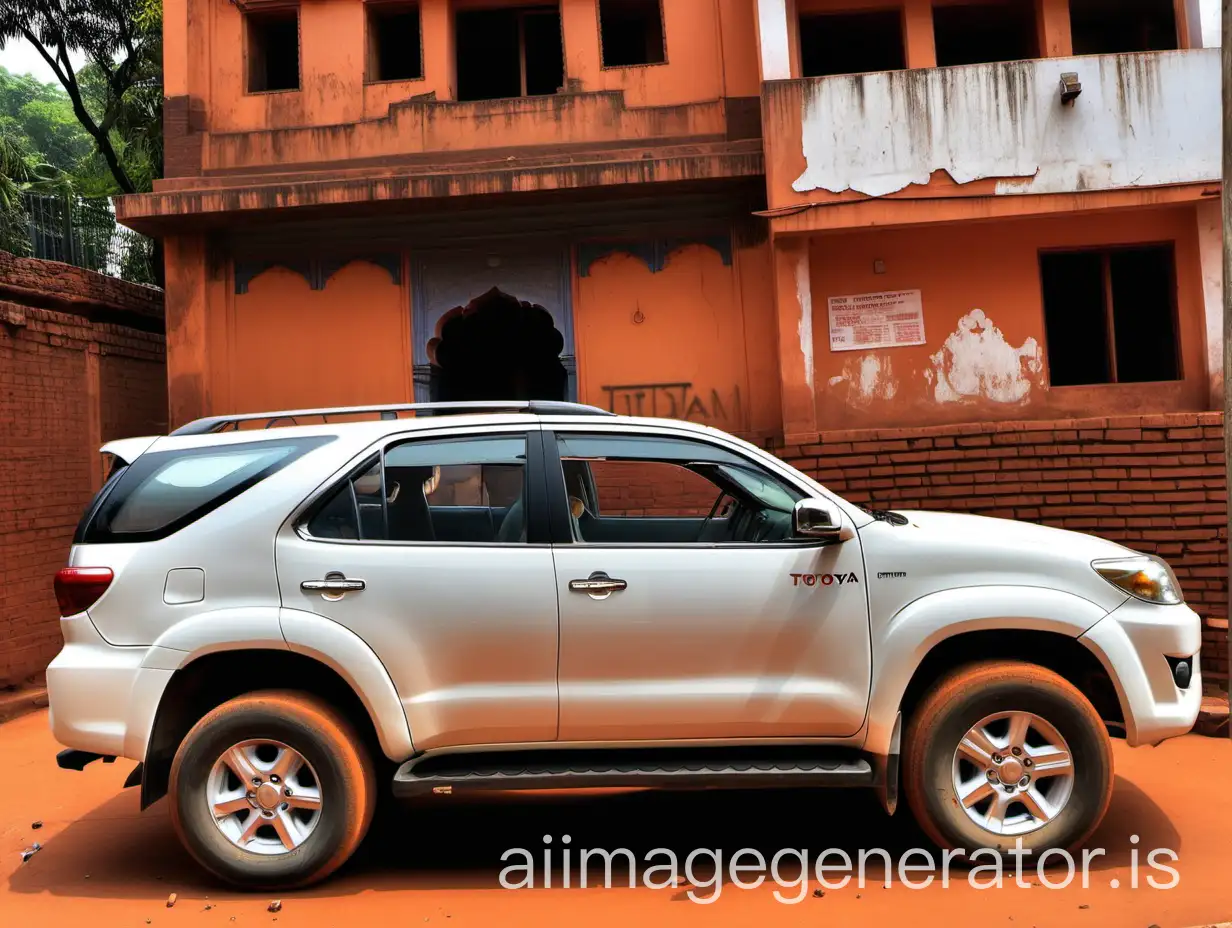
<point x="662" y="768"/>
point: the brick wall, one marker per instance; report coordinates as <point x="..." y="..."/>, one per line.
<point x="651" y="488"/>
<point x="1153" y="483"/>
<point x="66" y="385"/>
<point x="52" y="285"/>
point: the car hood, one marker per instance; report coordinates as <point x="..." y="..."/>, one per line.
<point x="941" y="550"/>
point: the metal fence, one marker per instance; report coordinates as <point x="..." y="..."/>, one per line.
<point x="83" y="232"/>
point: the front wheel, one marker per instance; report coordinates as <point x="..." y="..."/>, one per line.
<point x="272" y="790"/>
<point x="1006" y="750"/>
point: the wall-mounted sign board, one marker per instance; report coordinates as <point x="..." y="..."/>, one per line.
<point x="876" y="320"/>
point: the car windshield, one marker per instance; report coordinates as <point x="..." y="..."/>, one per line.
<point x="768" y="493"/>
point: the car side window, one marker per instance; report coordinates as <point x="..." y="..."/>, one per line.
<point x="455" y="490"/>
<point x="626" y="489"/>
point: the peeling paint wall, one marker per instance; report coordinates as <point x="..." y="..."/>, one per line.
<point x="804" y="297"/>
<point x="1135" y="124"/>
<point x="976" y="362"/>
<point x="986" y="354"/>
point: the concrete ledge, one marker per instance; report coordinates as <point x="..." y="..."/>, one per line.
<point x="16" y="703"/>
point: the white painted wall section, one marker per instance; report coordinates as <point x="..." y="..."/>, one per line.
<point x="976" y="362"/>
<point x="1205" y="26"/>
<point x="1142" y="120"/>
<point x="804" y="296"/>
<point x="772" y="37"/>
<point x="1210" y="252"/>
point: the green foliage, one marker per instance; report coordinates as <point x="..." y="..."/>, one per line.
<point x="115" y="97"/>
<point x="40" y="116"/>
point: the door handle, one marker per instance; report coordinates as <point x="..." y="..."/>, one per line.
<point x="598" y="585"/>
<point x="333" y="587"/>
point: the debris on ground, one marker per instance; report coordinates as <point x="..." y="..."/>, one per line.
<point x="857" y="895"/>
<point x="1084" y="906"/>
<point x="36" y="825"/>
<point x="275" y="906"/>
<point x="208" y="906"/>
<point x="30" y="851"/>
<point x="817" y="894"/>
<point x="171" y="900"/>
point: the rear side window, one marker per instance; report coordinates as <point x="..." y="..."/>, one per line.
<point x="162" y="492"/>
<point x="457" y="490"/>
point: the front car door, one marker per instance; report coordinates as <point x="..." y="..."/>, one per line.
<point x="687" y="609"/>
<point x="447" y="533"/>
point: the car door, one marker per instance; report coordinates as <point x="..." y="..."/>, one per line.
<point x="434" y="550"/>
<point x="687" y="609"/>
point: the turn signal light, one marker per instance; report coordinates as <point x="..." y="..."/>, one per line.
<point x="78" y="588"/>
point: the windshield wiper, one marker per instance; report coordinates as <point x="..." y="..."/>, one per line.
<point x="885" y="515"/>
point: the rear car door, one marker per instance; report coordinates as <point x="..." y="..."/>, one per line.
<point x="687" y="609"/>
<point x="434" y="550"/>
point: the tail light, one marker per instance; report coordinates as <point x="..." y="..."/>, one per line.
<point x="78" y="588"/>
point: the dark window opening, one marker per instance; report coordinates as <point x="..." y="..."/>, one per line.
<point x="509" y="53"/>
<point x="852" y="43"/>
<point x="1109" y="27"/>
<point x="394" y="49"/>
<point x="978" y="33"/>
<point x="1110" y="316"/>
<point x="273" y="50"/>
<point x="631" y="32"/>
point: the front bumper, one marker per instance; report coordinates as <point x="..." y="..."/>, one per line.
<point x="102" y="700"/>
<point x="1134" y="642"/>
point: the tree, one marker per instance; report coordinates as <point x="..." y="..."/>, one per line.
<point x="116" y="95"/>
<point x="39" y="118"/>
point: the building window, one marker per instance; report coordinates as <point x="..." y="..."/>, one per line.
<point x="631" y="33"/>
<point x="1107" y="27"/>
<point x="509" y="52"/>
<point x="978" y="33"/>
<point x="273" y="50"/>
<point x="395" y="52"/>
<point x="851" y="43"/>
<point x="1110" y="315"/>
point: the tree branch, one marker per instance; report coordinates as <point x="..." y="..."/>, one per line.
<point x="100" y="134"/>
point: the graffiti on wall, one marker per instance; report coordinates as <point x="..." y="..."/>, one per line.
<point x="676" y="401"/>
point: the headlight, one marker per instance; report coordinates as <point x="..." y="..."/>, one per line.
<point x="1143" y="577"/>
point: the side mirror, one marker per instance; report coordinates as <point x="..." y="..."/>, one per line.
<point x="815" y="518"/>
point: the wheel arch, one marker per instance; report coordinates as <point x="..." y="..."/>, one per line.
<point x="1062" y="654"/>
<point x="947" y="629"/>
<point x="212" y="678"/>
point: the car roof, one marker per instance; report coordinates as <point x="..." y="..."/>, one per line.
<point x="364" y="431"/>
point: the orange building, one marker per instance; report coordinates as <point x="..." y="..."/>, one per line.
<point x="777" y="216"/>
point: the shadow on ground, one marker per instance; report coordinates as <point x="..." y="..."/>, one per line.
<point x="456" y="842"/>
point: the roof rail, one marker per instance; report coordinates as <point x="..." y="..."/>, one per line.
<point x="531" y="407"/>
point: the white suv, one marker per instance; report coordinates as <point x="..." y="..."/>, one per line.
<point x="278" y="623"/>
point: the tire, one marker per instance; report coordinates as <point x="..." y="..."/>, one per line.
<point x="933" y="776"/>
<point x="333" y="762"/>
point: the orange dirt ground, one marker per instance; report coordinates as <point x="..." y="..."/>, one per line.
<point x="103" y="863"/>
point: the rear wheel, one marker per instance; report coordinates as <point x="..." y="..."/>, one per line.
<point x="1007" y="750"/>
<point x="272" y="790"/>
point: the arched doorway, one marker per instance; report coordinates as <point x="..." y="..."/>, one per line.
<point x="498" y="348"/>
